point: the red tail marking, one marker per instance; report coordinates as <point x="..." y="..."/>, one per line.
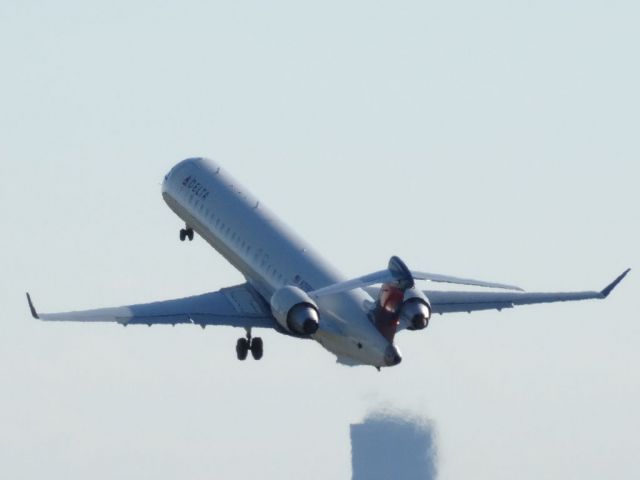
<point x="387" y="312"/>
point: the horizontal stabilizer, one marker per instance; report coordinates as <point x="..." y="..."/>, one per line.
<point x="398" y="273"/>
<point x="434" y="277"/>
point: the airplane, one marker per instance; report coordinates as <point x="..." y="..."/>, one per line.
<point x="292" y="289"/>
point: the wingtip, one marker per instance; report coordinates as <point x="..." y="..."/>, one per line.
<point x="34" y="313"/>
<point x="609" y="288"/>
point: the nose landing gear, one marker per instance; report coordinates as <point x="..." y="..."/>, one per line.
<point x="244" y="345"/>
<point x="186" y="232"/>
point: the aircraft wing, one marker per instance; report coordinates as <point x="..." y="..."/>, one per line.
<point x="238" y="306"/>
<point x="449" y="302"/>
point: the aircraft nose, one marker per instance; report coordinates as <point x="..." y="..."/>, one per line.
<point x="392" y="356"/>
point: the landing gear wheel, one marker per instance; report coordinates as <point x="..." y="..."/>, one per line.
<point x="189" y="233"/>
<point x="242" y="348"/>
<point x="256" y="348"/>
<point x="183" y="234"/>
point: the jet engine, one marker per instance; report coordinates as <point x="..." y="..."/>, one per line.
<point x="295" y="311"/>
<point x="416" y="310"/>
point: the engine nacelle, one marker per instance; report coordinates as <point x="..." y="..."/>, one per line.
<point x="295" y="311"/>
<point x="416" y="310"/>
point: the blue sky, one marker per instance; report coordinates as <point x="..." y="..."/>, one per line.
<point x="495" y="140"/>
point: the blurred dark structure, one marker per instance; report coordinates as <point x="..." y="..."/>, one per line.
<point x="393" y="446"/>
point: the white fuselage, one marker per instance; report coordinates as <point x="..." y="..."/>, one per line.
<point x="270" y="256"/>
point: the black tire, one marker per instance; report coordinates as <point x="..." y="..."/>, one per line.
<point x="183" y="234"/>
<point x="242" y="348"/>
<point x="256" y="348"/>
<point x="190" y="233"/>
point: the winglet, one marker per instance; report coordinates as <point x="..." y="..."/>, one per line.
<point x="34" y="314"/>
<point x="607" y="290"/>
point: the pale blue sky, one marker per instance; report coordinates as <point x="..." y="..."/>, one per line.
<point x="497" y="140"/>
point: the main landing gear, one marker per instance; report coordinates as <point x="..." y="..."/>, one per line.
<point x="186" y="233"/>
<point x="245" y="344"/>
